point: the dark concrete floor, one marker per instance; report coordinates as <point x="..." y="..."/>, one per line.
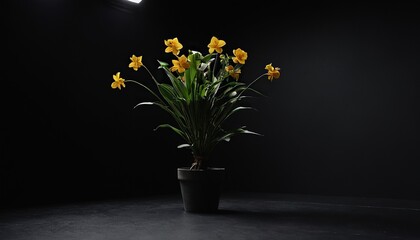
<point x="241" y="216"/>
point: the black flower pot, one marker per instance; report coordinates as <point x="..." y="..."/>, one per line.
<point x="201" y="189"/>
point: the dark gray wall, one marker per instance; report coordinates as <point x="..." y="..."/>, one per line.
<point x="341" y="120"/>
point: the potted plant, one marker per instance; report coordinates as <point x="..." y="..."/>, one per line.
<point x="200" y="94"/>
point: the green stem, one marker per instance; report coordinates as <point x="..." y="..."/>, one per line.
<point x="249" y="85"/>
<point x="153" y="77"/>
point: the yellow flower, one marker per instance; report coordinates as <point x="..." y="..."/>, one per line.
<point x="173" y="45"/>
<point x="216" y="44"/>
<point x="180" y="65"/>
<point x="240" y="56"/>
<point x="118" y="81"/>
<point x="273" y="73"/>
<point x="233" y="72"/>
<point x="135" y="62"/>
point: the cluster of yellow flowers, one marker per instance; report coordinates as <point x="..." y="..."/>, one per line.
<point x="182" y="63"/>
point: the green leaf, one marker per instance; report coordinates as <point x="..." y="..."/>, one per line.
<point x="190" y="74"/>
<point x="167" y="92"/>
<point x="208" y="57"/>
<point x="238" y="109"/>
<point x="250" y="132"/>
<point x="176" y="83"/>
<point x="176" y="130"/>
<point x="227" y="136"/>
<point x="144" y="103"/>
<point x="184" y="146"/>
<point x="162" y="64"/>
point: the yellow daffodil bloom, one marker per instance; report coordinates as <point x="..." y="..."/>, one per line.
<point x="118" y="81"/>
<point x="216" y="44"/>
<point x="273" y="73"/>
<point x="233" y="72"/>
<point x="173" y="45"/>
<point x="136" y="62"/>
<point x="240" y="56"/>
<point x="180" y="65"/>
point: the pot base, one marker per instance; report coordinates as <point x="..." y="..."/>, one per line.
<point x="200" y="189"/>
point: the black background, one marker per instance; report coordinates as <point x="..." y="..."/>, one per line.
<point x="343" y="119"/>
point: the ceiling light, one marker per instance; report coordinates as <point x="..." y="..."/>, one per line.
<point x="134" y="1"/>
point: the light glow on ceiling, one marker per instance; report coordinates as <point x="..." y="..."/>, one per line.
<point x="134" y="1"/>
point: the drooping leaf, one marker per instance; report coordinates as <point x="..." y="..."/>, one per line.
<point x="228" y="135"/>
<point x="176" y="130"/>
<point x="144" y="103"/>
<point x="184" y="146"/>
